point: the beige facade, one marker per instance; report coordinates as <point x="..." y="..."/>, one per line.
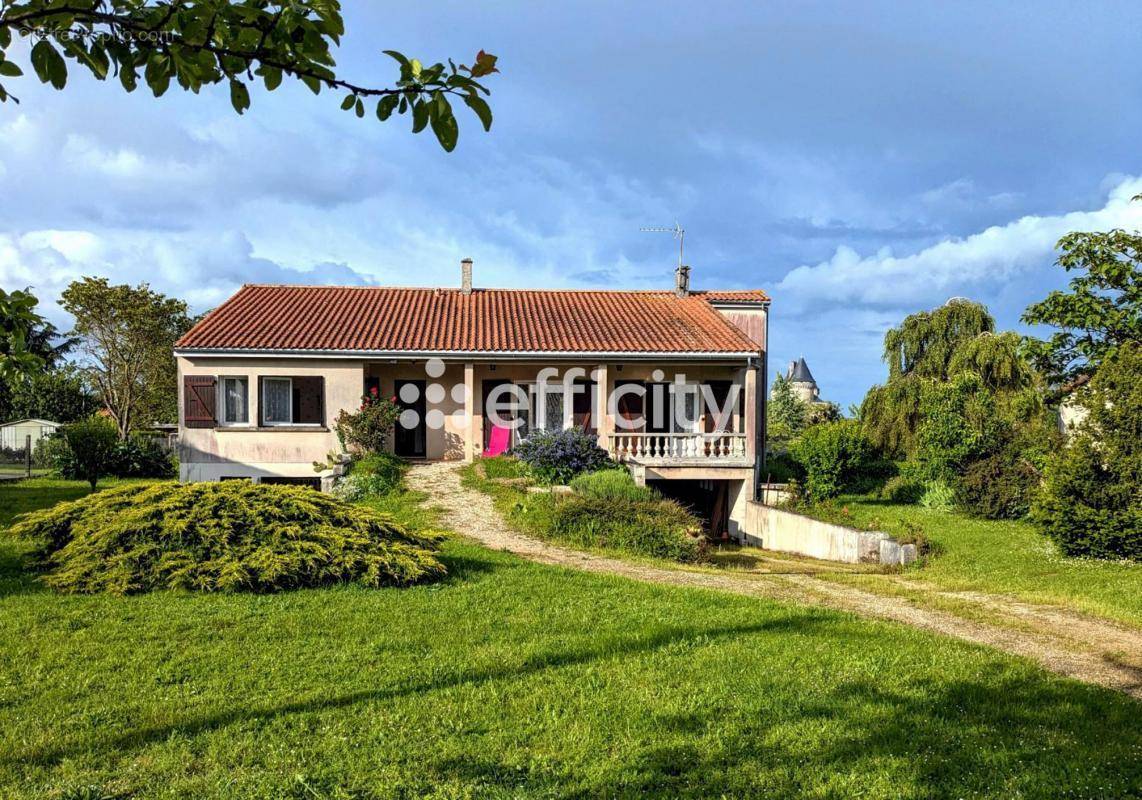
<point x="270" y="415"/>
<point x="453" y="403"/>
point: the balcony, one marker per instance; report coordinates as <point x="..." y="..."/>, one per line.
<point x="680" y="449"/>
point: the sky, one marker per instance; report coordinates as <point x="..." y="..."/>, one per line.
<point x="858" y="161"/>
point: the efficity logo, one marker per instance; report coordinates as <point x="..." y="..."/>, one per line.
<point x="548" y="400"/>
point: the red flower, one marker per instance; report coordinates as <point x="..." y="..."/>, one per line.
<point x="393" y="399"/>
<point x="373" y="391"/>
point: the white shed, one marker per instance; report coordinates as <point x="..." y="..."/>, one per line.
<point x="14" y="435"/>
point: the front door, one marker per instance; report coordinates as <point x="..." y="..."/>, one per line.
<point x="409" y="442"/>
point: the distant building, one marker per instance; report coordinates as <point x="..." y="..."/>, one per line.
<point x="14" y="435"/>
<point x="802" y="382"/>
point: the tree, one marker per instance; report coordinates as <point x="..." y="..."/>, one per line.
<point x="18" y="318"/>
<point x="956" y="340"/>
<point x="204" y="42"/>
<point x="924" y="343"/>
<point x="1101" y="312"/>
<point x="61" y="395"/>
<point x="126" y="335"/>
<point x="1091" y="504"/>
<point x="92" y="441"/>
<point x="786" y="413"/>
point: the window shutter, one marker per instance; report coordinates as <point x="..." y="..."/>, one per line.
<point x="199" y="397"/>
<point x="309" y="400"/>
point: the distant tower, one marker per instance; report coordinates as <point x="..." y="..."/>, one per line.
<point x="802" y="382"/>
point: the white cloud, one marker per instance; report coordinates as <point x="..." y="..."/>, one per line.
<point x="200" y="268"/>
<point x="954" y="266"/>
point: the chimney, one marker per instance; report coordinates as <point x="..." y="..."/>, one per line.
<point x="466" y="276"/>
<point x="682" y="281"/>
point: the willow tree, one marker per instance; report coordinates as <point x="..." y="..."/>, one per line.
<point x="956" y="340"/>
<point x="925" y="342"/>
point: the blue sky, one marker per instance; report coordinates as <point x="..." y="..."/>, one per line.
<point x="858" y="161"/>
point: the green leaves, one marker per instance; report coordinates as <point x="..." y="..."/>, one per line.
<point x="209" y="43"/>
<point x="482" y="109"/>
<point x="49" y="64"/>
<point x="1101" y="310"/>
<point x="444" y="124"/>
<point x="386" y="105"/>
<point x="239" y="96"/>
<point x="419" y="116"/>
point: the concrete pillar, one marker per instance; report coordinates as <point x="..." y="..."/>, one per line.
<point x="475" y="431"/>
<point x="605" y="422"/>
<point x="749" y="403"/>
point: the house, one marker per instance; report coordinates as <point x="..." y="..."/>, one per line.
<point x="15" y="435"/>
<point x="669" y="381"/>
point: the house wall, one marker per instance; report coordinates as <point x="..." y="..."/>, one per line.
<point x="750" y="320"/>
<point x="213" y="453"/>
<point x="454" y="400"/>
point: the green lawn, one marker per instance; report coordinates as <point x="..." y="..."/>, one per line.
<point x="513" y="679"/>
<point x="1003" y="557"/>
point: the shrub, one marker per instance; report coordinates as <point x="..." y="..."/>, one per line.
<point x="658" y="528"/>
<point x="371" y="476"/>
<point x="612" y="484"/>
<point x="938" y="495"/>
<point x="141" y="457"/>
<point x="559" y="457"/>
<point x="902" y="489"/>
<point x="959" y="422"/>
<point x="998" y="486"/>
<point x="225" y="536"/>
<point x="1090" y="503"/>
<point x="137" y="457"/>
<point x="91" y="442"/>
<point x="834" y="455"/>
<point x="782" y="468"/>
<point x="366" y="430"/>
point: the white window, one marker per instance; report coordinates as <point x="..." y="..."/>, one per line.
<point x="234" y="401"/>
<point x="277" y="401"/>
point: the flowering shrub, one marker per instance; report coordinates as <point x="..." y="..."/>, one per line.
<point x="367" y="429"/>
<point x="559" y="457"/>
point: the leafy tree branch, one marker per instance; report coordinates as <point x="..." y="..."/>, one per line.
<point x="205" y="42"/>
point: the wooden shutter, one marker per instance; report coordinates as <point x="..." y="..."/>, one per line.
<point x="199" y="398"/>
<point x="309" y="400"/>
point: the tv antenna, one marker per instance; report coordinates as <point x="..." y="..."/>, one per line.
<point x="678" y="232"/>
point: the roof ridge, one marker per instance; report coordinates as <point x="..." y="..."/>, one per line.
<point x="378" y="286"/>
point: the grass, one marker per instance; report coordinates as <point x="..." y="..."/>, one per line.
<point x="1004" y="557"/>
<point x="605" y="513"/>
<point x="512" y="679"/>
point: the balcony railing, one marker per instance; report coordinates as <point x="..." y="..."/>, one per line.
<point x="667" y="448"/>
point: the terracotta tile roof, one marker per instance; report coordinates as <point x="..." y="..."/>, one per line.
<point x="391" y="319"/>
<point x="735" y="296"/>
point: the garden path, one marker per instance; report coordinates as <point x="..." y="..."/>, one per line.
<point x="1064" y="641"/>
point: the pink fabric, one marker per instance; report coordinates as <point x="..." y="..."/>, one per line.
<point x="498" y="441"/>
